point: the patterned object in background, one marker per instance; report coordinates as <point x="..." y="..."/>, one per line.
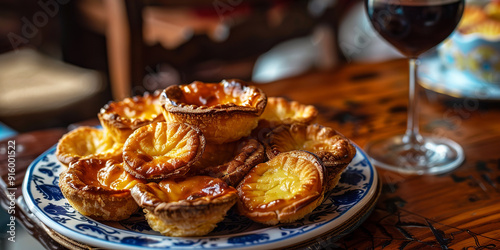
<point x="474" y="48"/>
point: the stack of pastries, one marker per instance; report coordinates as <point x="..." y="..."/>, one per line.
<point x="481" y="19"/>
<point x="188" y="154"/>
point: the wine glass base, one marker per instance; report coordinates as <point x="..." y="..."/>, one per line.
<point x="435" y="156"/>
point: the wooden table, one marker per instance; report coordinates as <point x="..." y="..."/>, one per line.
<point x="459" y="210"/>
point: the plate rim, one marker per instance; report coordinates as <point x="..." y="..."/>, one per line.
<point x="97" y="242"/>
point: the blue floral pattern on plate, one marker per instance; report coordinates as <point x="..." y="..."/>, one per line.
<point x="44" y="198"/>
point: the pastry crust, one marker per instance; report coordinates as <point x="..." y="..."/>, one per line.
<point x="334" y="150"/>
<point x="87" y="142"/>
<point x="471" y="16"/>
<point x="160" y="150"/>
<point x="279" y="111"/>
<point x="282" y="190"/>
<point x="121" y="118"/>
<point x="487" y="28"/>
<point x="230" y="161"/>
<point x="99" y="189"/>
<point x="224" y="112"/>
<point x="185" y="207"/>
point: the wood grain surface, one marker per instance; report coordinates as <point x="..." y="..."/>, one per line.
<point x="456" y="210"/>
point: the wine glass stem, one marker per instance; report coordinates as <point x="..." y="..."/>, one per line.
<point x="412" y="135"/>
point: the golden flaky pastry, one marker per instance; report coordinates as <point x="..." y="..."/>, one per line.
<point x="492" y="9"/>
<point x="472" y="15"/>
<point x="280" y="111"/>
<point x="224" y="112"/>
<point x="230" y="161"/>
<point x="120" y="119"/>
<point x="185" y="207"/>
<point x="333" y="149"/>
<point x="160" y="150"/>
<point x="282" y="190"/>
<point x="87" y="142"/>
<point x="99" y="189"/>
<point x="488" y="28"/>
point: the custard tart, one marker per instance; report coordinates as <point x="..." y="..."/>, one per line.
<point x="471" y="16"/>
<point x="280" y="111"/>
<point x="492" y="9"/>
<point x="190" y="206"/>
<point x="160" y="150"/>
<point x="99" y="189"/>
<point x="87" y="142"/>
<point x="121" y="118"/>
<point x="283" y="189"/>
<point x="230" y="161"/>
<point x="334" y="150"/>
<point x="488" y="29"/>
<point x="224" y="112"/>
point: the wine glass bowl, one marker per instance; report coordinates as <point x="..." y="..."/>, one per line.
<point x="414" y="27"/>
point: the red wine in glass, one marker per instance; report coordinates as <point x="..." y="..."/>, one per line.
<point x="413" y="27"/>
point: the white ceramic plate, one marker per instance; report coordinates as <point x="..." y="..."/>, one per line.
<point x="354" y="193"/>
<point x="433" y="75"/>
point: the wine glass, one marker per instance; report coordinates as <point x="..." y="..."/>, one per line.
<point x="413" y="27"/>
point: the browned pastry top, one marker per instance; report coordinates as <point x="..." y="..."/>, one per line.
<point x="226" y="96"/>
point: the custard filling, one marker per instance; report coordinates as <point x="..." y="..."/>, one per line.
<point x="90" y="141"/>
<point x="116" y="178"/>
<point x="212" y="94"/>
<point x="141" y="112"/>
<point x="279" y="109"/>
<point x="191" y="188"/>
<point x="161" y="148"/>
<point x="164" y="142"/>
<point x="277" y="181"/>
<point x="141" y="108"/>
<point x="101" y="174"/>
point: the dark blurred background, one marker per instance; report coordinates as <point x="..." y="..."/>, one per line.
<point x="62" y="60"/>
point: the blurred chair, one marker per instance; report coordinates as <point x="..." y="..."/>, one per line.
<point x="38" y="92"/>
<point x="37" y="89"/>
